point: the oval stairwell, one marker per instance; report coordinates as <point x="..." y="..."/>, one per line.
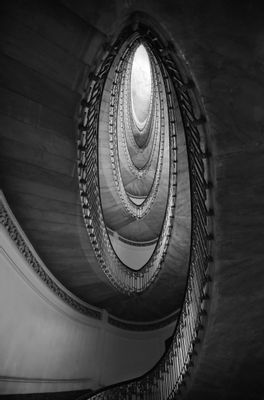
<point x="197" y="309"/>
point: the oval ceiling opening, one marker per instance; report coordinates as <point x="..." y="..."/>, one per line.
<point x="141" y="86"/>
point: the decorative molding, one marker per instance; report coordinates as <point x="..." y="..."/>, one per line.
<point x="14" y="231"/>
<point x="18" y="237"/>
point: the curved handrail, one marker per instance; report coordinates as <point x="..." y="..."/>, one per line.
<point x="143" y="326"/>
<point x="132" y="242"/>
<point x="122" y="277"/>
<point x="128" y="137"/>
<point x="136" y="211"/>
<point x="133" y="128"/>
<point x="165" y="380"/>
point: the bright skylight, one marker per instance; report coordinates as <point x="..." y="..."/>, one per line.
<point x="141" y="86"/>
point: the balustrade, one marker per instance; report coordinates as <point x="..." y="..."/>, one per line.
<point x="167" y="377"/>
<point x="136" y="211"/>
<point x="126" y="280"/>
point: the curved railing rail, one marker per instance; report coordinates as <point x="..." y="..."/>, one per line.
<point x="166" y="379"/>
<point x="121" y="276"/>
<point x="128" y="140"/>
<point x="134" y="130"/>
<point x="132" y="242"/>
<point x="144" y="326"/>
<point x="136" y="211"/>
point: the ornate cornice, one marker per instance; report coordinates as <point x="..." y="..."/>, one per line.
<point x="14" y="232"/>
<point x="11" y="226"/>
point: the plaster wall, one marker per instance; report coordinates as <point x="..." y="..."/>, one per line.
<point x="47" y="346"/>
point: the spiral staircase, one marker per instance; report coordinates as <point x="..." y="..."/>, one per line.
<point x="80" y="178"/>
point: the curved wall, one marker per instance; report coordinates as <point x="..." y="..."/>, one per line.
<point x="46" y="345"/>
<point x="223" y="43"/>
<point x="47" y="52"/>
